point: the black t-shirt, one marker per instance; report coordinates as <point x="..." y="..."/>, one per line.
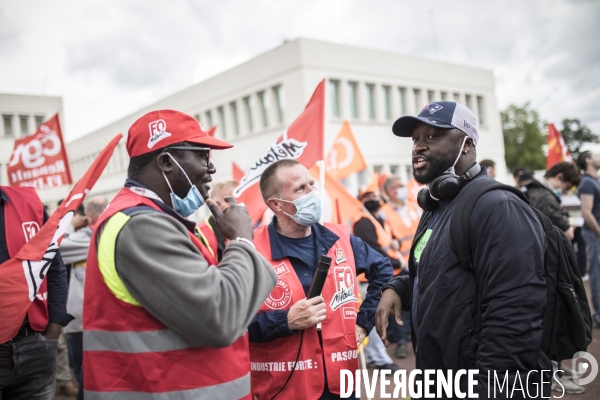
<point x="591" y="186"/>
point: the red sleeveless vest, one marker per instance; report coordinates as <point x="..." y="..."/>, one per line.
<point x="129" y="353"/>
<point x="23" y="218"/>
<point x="271" y="362"/>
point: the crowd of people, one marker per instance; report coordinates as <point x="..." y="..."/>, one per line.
<point x="152" y="305"/>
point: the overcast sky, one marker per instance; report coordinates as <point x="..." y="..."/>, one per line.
<point x="109" y="58"/>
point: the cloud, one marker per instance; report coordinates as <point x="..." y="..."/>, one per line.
<point x="110" y="58"/>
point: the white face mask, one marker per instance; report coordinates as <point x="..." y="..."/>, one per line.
<point x="401" y="194"/>
<point x="308" y="209"/>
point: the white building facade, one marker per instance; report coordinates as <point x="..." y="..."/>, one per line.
<point x="254" y="102"/>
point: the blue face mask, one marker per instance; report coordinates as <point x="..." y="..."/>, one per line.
<point x="308" y="209"/>
<point x="558" y="192"/>
<point x="192" y="201"/>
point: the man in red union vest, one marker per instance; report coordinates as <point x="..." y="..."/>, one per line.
<point x="288" y="354"/>
<point x="160" y="320"/>
<point x="28" y="360"/>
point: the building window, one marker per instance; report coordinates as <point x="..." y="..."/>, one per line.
<point x="24" y="122"/>
<point x="481" y="110"/>
<point x="39" y="120"/>
<point x="209" y="120"/>
<point x="221" y="114"/>
<point x="418" y="102"/>
<point x="249" y="106"/>
<point x="353" y="91"/>
<point x="8" y="126"/>
<point x="234" y="117"/>
<point x="468" y="102"/>
<point x="430" y="96"/>
<point x="387" y="102"/>
<point x="444" y="96"/>
<point x="371" y="100"/>
<point x="334" y="92"/>
<point x="264" y="108"/>
<point x="279" y="102"/>
<point x="402" y="102"/>
<point x="394" y="170"/>
<point x="197" y="117"/>
<point x="378" y="169"/>
<point x="457" y="97"/>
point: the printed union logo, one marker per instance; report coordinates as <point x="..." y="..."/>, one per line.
<point x="585" y="368"/>
<point x="344" y="284"/>
<point x="30" y="229"/>
<point x="349" y="312"/>
<point x="158" y="132"/>
<point x="281" y="269"/>
<point x="280" y="296"/>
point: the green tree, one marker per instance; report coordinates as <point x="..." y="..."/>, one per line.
<point x="575" y="134"/>
<point x="523" y="137"/>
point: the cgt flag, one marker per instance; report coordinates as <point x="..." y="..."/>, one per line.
<point x="345" y="158"/>
<point x="237" y="172"/>
<point x="22" y="275"/>
<point x="303" y="141"/>
<point x="557" y="149"/>
<point x="40" y="160"/>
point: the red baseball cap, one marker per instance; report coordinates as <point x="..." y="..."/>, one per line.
<point x="162" y="128"/>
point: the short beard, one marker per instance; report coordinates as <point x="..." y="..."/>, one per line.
<point x="436" y="167"/>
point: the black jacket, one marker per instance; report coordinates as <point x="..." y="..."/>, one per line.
<point x="489" y="320"/>
<point x="547" y="202"/>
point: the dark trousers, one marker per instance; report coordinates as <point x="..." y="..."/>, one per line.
<point x="27" y="368"/>
<point x="75" y="346"/>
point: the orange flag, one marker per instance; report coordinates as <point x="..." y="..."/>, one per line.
<point x="557" y="149"/>
<point x="22" y="275"/>
<point x="345" y="157"/>
<point x="339" y="203"/>
<point x="211" y="131"/>
<point x="238" y="173"/>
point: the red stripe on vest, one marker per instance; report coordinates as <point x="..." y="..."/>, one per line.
<point x="23" y="218"/>
<point x="152" y="372"/>
<point x="338" y="330"/>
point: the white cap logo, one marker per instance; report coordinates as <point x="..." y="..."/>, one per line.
<point x="158" y="131"/>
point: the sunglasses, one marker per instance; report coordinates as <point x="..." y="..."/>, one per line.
<point x="206" y="152"/>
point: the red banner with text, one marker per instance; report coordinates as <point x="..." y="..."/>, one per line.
<point x="40" y="160"/>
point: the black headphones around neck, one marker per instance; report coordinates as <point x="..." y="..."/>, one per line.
<point x="445" y="186"/>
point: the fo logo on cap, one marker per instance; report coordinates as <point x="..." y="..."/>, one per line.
<point x="158" y="132"/>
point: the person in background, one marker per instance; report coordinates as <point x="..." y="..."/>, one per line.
<point x="589" y="194"/>
<point x="403" y="219"/>
<point x="545" y="195"/>
<point x="517" y="173"/>
<point x="209" y="234"/>
<point x="285" y="328"/>
<point x="74" y="249"/>
<point x="28" y="360"/>
<point x="64" y="382"/>
<point x="490" y="166"/>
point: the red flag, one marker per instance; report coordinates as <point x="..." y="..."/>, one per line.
<point x="238" y="173"/>
<point x="303" y="141"/>
<point x="211" y="131"/>
<point x="40" y="160"/>
<point x="345" y="157"/>
<point x="557" y="149"/>
<point x="22" y="275"/>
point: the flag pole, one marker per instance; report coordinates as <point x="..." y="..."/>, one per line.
<point x="322" y="161"/>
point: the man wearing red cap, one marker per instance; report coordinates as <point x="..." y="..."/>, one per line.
<point x="160" y="320"/>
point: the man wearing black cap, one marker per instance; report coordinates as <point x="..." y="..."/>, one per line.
<point x="488" y="319"/>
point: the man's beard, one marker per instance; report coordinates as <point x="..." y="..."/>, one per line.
<point x="436" y="167"/>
